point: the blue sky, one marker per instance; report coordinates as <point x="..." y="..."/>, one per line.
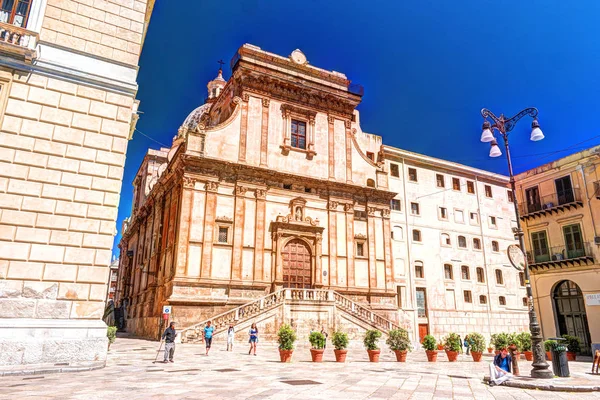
<point x="428" y="67"/>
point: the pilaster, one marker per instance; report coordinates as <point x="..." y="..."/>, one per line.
<point x="259" y="235"/>
<point x="244" y="128"/>
<point x="371" y="243"/>
<point x="333" y="264"/>
<point x="238" y="232"/>
<point x="330" y="137"/>
<point x="264" y="133"/>
<point x="185" y="220"/>
<point x="349" y="209"/>
<point x="209" y="229"/>
<point x="387" y="242"/>
<point x="348" y="125"/>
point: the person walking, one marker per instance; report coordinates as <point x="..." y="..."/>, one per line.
<point x="208" y="335"/>
<point x="500" y="369"/>
<point x="253" y="333"/>
<point x="324" y="333"/>
<point x="169" y="337"/>
<point x="461" y="344"/>
<point x="467" y="344"/>
<point x="230" y="337"/>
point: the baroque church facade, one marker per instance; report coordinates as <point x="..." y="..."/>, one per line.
<point x="272" y="184"/>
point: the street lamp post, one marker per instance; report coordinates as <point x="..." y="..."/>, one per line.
<point x="504" y="125"/>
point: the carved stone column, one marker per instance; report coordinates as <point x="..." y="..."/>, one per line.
<point x="387" y="243"/>
<point x="264" y="132"/>
<point x="259" y="235"/>
<point x="349" y="209"/>
<point x="371" y="243"/>
<point x="210" y="210"/>
<point x="238" y="232"/>
<point x="244" y="128"/>
<point x="331" y="138"/>
<point x="278" y="264"/>
<point x="185" y="220"/>
<point x="318" y="266"/>
<point x="332" y="217"/>
<point x="348" y="125"/>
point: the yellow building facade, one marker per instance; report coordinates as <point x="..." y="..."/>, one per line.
<point x="560" y="210"/>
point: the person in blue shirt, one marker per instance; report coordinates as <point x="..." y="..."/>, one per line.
<point x="208" y="335"/>
<point x="500" y="369"/>
<point x="253" y="333"/>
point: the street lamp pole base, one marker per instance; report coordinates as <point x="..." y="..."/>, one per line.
<point x="542" y="373"/>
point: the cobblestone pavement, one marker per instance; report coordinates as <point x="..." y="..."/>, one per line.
<point x="130" y="374"/>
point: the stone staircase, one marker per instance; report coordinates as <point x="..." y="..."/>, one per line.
<point x="281" y="305"/>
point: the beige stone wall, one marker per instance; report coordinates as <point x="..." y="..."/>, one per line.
<point x="110" y="29"/>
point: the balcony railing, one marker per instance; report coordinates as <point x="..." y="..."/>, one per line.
<point x="551" y="202"/>
<point x="561" y="254"/>
<point x="18" y="41"/>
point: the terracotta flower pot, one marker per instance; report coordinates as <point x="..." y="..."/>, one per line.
<point x="340" y="355"/>
<point x="548" y="356"/>
<point x="374" y="355"/>
<point x="317" y="354"/>
<point x="401" y="355"/>
<point x="476" y="356"/>
<point x="571" y="356"/>
<point x="440" y="347"/>
<point x="431" y="355"/>
<point x="528" y="355"/>
<point x="452" y="355"/>
<point x="490" y="350"/>
<point x="285" y="355"/>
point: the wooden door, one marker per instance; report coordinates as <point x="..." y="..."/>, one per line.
<point x="297" y="269"/>
<point x="423" y="331"/>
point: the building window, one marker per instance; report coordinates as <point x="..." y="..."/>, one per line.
<point x="443" y="213"/>
<point x="495" y="246"/>
<point x="455" y="184"/>
<point x="459" y="216"/>
<point x="488" y="191"/>
<point x="397" y="233"/>
<point x="573" y="241"/>
<point x="360" y="249"/>
<point x="416" y="235"/>
<point x="480" y="275"/>
<point x="419" y="273"/>
<point x="474" y="218"/>
<point x="470" y="187"/>
<point x="465" y="274"/>
<point x="493" y="222"/>
<point x="522" y="278"/>
<point x="412" y="174"/>
<point x="395" y="205"/>
<point x="371" y="156"/>
<point x="448" y="274"/>
<point x="511" y="198"/>
<point x="439" y="178"/>
<point x="482" y="299"/>
<point x="414" y="208"/>
<point x="446" y="240"/>
<point x="462" y="242"/>
<point x="400" y="290"/>
<point x="421" y="303"/>
<point x="15" y="12"/>
<point x="476" y="244"/>
<point x="540" y="246"/>
<point x="525" y="302"/>
<point x="467" y="296"/>
<point x="394" y="171"/>
<point x="499" y="277"/>
<point x="298" y="134"/>
<point x="502" y="300"/>
<point x="223" y="234"/>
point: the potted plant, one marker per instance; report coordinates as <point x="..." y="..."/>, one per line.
<point x="317" y="341"/>
<point x="573" y="347"/>
<point x="111" y="334"/>
<point x="501" y="341"/>
<point x="452" y="345"/>
<point x="440" y="345"/>
<point x="548" y="346"/>
<point x="371" y="338"/>
<point x="399" y="343"/>
<point x="524" y="339"/>
<point x="286" y="338"/>
<point x="477" y="342"/>
<point x="429" y="344"/>
<point x="340" y="342"/>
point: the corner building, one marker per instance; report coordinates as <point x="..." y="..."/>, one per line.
<point x="67" y="109"/>
<point x="272" y="184"/>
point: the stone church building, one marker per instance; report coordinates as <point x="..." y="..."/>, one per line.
<point x="272" y="194"/>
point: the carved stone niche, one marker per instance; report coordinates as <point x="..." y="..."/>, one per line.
<point x="297" y="213"/>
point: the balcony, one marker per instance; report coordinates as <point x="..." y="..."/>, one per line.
<point x="17" y="42"/>
<point x="561" y="256"/>
<point x="552" y="203"/>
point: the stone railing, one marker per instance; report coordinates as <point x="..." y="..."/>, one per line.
<point x="256" y="307"/>
<point x="17" y="40"/>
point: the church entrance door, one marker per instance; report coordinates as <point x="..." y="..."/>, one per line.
<point x="297" y="269"/>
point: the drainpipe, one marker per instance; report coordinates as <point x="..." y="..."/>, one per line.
<point x="485" y="264"/>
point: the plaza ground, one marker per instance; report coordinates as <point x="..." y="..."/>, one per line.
<point x="131" y="374"/>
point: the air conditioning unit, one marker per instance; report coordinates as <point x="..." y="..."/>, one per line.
<point x="597" y="240"/>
